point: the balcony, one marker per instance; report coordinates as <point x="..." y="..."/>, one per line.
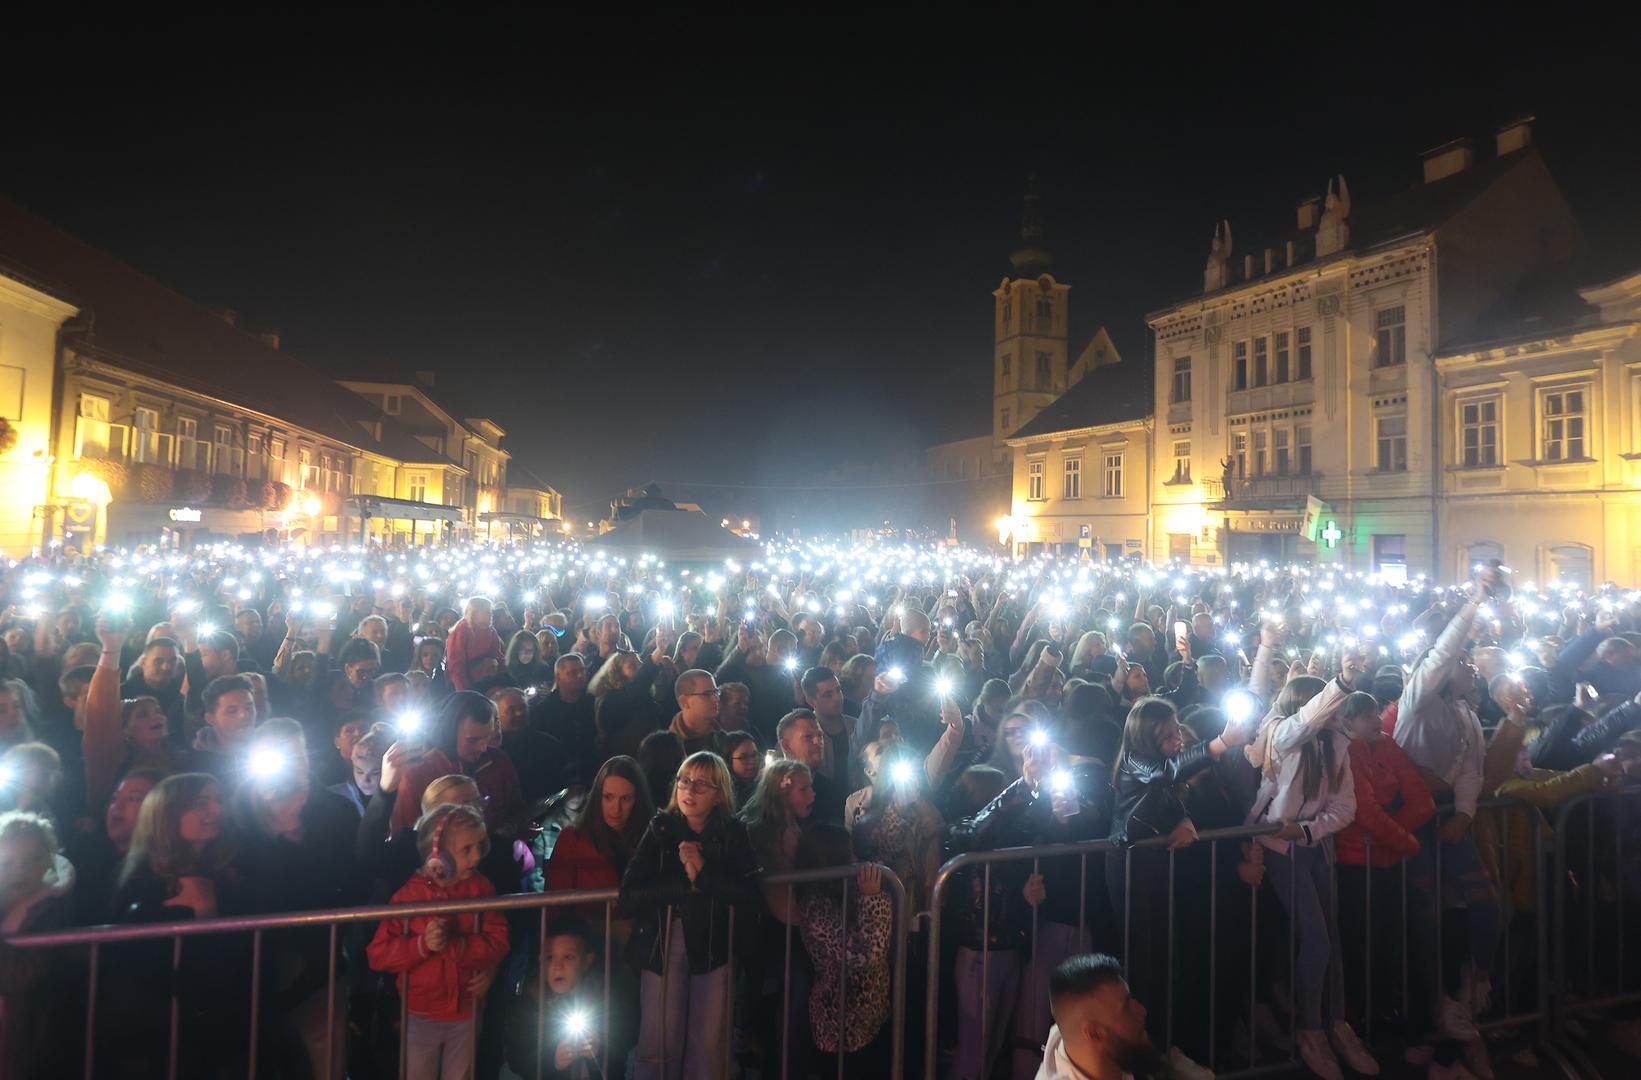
<point x="1268" y="490"/>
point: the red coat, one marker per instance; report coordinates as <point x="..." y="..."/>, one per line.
<point x="577" y="864"/>
<point x="464" y="646"/>
<point x="1384" y="775"/>
<point x="435" y="985"/>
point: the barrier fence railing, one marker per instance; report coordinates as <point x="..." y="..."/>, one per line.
<point x="1416" y="922"/>
<point x="95" y="939"/>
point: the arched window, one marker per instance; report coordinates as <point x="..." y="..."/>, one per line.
<point x="1477" y="553"/>
<point x="1570" y="564"/>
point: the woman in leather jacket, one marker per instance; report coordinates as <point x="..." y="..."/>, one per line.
<point x="693" y="868"/>
<point x="1151" y="765"/>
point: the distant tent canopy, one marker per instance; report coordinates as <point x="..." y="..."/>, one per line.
<point x="677" y="536"/>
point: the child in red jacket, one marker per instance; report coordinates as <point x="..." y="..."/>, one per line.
<point x="471" y="640"/>
<point x="438" y="955"/>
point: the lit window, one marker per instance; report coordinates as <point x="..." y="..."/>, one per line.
<point x="1073" y="478"/>
<point x="1391" y="436"/>
<point x="1390" y="326"/>
<point x="418" y="488"/>
<point x="1034" y="481"/>
<point x="1479" y="433"/>
<point x="1182" y="463"/>
<point x="1563" y="412"/>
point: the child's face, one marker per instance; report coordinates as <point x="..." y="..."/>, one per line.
<point x="466" y="848"/>
<point x="346" y="736"/>
<point x="367" y="773"/>
<point x="23" y="861"/>
<point x="478" y="618"/>
<point x="566" y="963"/>
<point x="146" y="727"/>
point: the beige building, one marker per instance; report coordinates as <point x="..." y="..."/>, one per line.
<point x="140" y="416"/>
<point x="1082" y="471"/>
<point x="1301" y="386"/>
<point x="1030" y="370"/>
<point x="1541" y="437"/>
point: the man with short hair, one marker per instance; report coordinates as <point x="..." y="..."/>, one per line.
<point x="824" y="696"/>
<point x="800" y="739"/>
<point x="255" y="641"/>
<point x="230" y="714"/>
<point x="537" y="757"/>
<point x="566" y="713"/>
<point x="1099" y="1028"/>
<point x="696" y="722"/>
<point x="214" y="656"/>
<point x="159" y="676"/>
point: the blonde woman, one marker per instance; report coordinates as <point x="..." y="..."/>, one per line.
<point x="694" y="866"/>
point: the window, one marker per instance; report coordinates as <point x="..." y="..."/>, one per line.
<point x="1182" y="463"/>
<point x="1239" y="366"/>
<point x="93" y="407"/>
<point x="1045" y="371"/>
<point x="1304" y="343"/>
<point x="962" y="468"/>
<point x="1113" y="476"/>
<point x="1572" y="564"/>
<point x="1479" y="433"/>
<point x="145" y="419"/>
<point x="1073" y="478"/>
<point x="253" y="444"/>
<point x="1479" y="553"/>
<point x="1261" y="360"/>
<point x="1563" y="412"/>
<point x="304" y="467"/>
<point x="1259" y="454"/>
<point x="1280" y="373"/>
<point x="1008" y="312"/>
<point x="1182" y="379"/>
<point x="1391" y="435"/>
<point x="1008" y="364"/>
<point x="1302" y="449"/>
<point x="1045" y="314"/>
<point x="276" y="449"/>
<point x="1391" y="337"/>
<point x="1390" y="555"/>
<point x="1239" y="453"/>
<point x="392" y="403"/>
<point x="224" y="437"/>
<point x="1034" y="481"/>
<point x="1279" y="450"/>
<point x="417" y="488"/>
<point x="1003" y="421"/>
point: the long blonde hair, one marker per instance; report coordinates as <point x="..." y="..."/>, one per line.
<point x="767" y="812"/>
<point x="157" y="846"/>
<point x="612" y="675"/>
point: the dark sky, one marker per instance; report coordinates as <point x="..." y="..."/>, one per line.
<point x="755" y="260"/>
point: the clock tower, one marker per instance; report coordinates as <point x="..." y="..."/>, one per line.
<point x="1029" y="329"/>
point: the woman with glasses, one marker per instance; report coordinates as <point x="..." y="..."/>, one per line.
<point x="746" y="763"/>
<point x="694" y="866"/>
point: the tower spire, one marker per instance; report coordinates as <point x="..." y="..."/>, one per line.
<point x="1031" y="256"/>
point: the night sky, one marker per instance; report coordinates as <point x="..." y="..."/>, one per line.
<point x="730" y="263"/>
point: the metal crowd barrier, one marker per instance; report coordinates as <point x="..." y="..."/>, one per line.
<point x="1587" y="888"/>
<point x="95" y="938"/>
<point x="1538" y="1016"/>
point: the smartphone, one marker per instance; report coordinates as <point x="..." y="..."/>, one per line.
<point x="1181" y="632"/>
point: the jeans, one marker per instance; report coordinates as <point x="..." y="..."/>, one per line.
<point x="438" y="1049"/>
<point x="681" y="1034"/>
<point x="986" y="992"/>
<point x="1465" y="884"/>
<point x="1303" y="884"/>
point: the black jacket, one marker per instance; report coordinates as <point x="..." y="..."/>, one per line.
<point x="572" y="724"/>
<point x="1146" y="803"/>
<point x="626" y="715"/>
<point x="655" y="888"/>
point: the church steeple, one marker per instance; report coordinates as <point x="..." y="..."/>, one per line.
<point x="1031" y="257"/>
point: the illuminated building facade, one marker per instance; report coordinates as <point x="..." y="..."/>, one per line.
<point x="1302" y="387"/>
<point x="141" y="416"/>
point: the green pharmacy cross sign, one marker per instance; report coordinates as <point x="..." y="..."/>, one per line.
<point x="1332" y="533"/>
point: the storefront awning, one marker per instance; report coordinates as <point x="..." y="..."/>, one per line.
<point x="380" y="506"/>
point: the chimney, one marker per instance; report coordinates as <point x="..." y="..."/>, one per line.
<point x="1446" y="160"/>
<point x="1247" y="267"/>
<point x="425" y="378"/>
<point x="1290" y="254"/>
<point x="270" y="338"/>
<point x="226" y="314"/>
<point x="1516" y="135"/>
<point x="1270" y="260"/>
<point x="1310" y="212"/>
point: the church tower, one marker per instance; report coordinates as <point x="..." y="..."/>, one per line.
<point x="1029" y="329"/>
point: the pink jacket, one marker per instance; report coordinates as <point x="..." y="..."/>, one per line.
<point x="466" y="645"/>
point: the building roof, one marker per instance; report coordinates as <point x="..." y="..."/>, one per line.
<point x="132" y="321"/>
<point x="1109" y="395"/>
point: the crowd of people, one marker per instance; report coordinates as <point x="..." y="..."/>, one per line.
<point x="235" y="731"/>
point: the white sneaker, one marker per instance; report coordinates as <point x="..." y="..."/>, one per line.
<point x="1350" y="1049"/>
<point x="1453" y="1020"/>
<point x="1317" y="1055"/>
<point x="1183" y="1068"/>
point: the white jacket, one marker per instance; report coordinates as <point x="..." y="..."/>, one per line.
<point x="1438" y="734"/>
<point x="1281" y="795"/>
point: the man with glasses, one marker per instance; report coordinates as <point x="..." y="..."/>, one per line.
<point x="696" y="722"/>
